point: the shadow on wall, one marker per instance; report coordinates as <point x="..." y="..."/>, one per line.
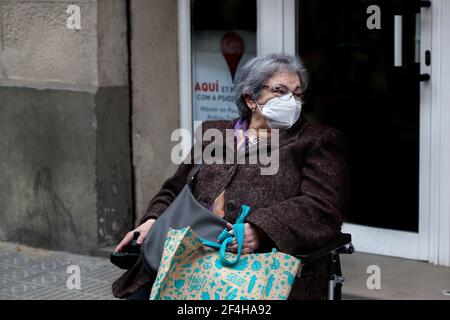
<point x="49" y="223"/>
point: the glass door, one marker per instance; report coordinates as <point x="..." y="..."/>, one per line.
<point x="223" y="39"/>
<point x="365" y="64"/>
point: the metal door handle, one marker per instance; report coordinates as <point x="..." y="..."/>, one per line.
<point x="424" y="77"/>
<point x="398" y="41"/>
<point x="425" y="4"/>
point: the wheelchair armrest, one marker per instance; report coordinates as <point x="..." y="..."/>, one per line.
<point x="342" y="244"/>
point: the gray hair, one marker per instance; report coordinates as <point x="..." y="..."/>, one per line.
<point x="256" y="71"/>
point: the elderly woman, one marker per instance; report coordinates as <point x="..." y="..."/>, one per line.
<point x="298" y="209"/>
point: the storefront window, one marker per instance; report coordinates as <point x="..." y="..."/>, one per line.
<point x="223" y="40"/>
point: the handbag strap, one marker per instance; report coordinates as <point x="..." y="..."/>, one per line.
<point x="194" y="174"/>
<point x="225" y="238"/>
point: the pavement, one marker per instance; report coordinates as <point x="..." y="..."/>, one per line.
<point x="399" y="279"/>
<point x="35" y="274"/>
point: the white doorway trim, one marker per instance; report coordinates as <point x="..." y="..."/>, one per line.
<point x="439" y="218"/>
<point x="275" y="26"/>
<point x="425" y="138"/>
<point x="185" y="68"/>
<point x="380" y="240"/>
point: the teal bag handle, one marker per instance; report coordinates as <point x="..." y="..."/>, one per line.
<point x="225" y="238"/>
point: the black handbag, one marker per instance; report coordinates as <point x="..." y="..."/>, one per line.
<point x="184" y="211"/>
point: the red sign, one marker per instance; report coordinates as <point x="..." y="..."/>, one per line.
<point x="232" y="47"/>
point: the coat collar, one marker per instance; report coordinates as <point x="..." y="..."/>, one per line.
<point x="285" y="136"/>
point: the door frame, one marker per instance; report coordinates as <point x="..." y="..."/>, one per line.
<point x="439" y="127"/>
<point x="185" y="68"/>
<point x="432" y="242"/>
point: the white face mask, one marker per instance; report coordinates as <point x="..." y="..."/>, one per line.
<point x="280" y="114"/>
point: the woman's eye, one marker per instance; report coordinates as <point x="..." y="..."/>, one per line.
<point x="280" y="90"/>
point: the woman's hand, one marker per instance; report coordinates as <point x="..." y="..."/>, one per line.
<point x="252" y="239"/>
<point x="143" y="229"/>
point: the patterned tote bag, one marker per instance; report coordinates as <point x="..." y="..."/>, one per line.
<point x="193" y="269"/>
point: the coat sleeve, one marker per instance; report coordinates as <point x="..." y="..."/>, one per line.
<point x="314" y="217"/>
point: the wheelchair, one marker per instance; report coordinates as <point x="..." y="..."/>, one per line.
<point x="342" y="245"/>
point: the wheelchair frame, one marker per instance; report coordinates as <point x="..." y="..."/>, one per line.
<point x="342" y="245"/>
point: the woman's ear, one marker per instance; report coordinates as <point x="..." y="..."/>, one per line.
<point x="251" y="104"/>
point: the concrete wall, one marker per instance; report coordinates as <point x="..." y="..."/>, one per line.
<point x="65" y="157"/>
<point x="154" y="46"/>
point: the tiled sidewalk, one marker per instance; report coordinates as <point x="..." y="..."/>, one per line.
<point x="35" y="274"/>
